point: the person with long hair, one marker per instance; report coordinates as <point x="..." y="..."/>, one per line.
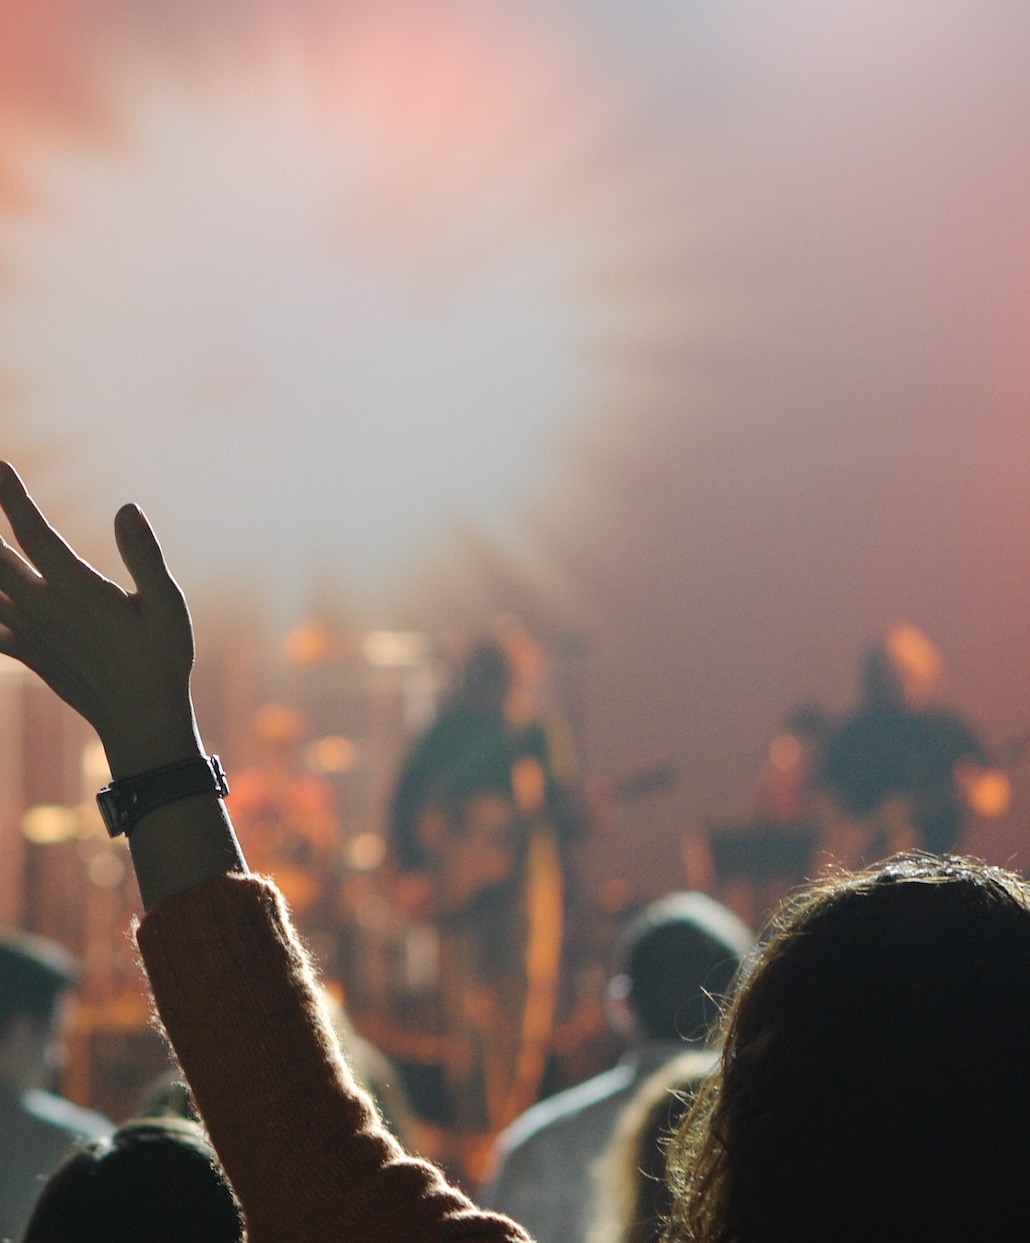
<point x="674" y="963"/>
<point x="874" y="1082"/>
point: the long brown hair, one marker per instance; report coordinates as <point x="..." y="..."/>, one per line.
<point x="874" y="1083"/>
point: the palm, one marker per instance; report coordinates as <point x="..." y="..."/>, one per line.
<point x="113" y="656"/>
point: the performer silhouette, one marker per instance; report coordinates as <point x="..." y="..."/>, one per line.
<point x="903" y="773"/>
<point x="479" y="820"/>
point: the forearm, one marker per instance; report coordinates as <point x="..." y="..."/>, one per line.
<point x="303" y="1146"/>
<point x="182" y="845"/>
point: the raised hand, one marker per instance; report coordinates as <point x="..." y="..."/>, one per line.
<point x="121" y="660"/>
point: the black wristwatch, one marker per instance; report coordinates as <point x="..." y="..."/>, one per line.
<point x="129" y="799"/>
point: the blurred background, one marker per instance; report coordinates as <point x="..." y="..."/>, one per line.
<point x="694" y="335"/>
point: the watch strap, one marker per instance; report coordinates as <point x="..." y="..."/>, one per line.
<point x="126" y="801"/>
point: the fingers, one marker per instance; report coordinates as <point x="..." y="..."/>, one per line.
<point x="50" y="582"/>
<point x="38" y="539"/>
<point x="142" y="554"/>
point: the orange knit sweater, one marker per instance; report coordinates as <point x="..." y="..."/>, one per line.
<point x="302" y="1144"/>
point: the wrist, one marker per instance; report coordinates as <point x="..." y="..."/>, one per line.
<point x="128" y="800"/>
<point x="151" y="743"/>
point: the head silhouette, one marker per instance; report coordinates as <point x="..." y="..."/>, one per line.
<point x="153" y="1181"/>
<point x="874" y="1082"/>
<point x="35" y="975"/>
<point x="902" y="669"/>
<point x="675" y="962"/>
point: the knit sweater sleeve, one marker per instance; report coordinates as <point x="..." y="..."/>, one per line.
<point x="301" y="1142"/>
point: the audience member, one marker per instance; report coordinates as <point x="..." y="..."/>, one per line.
<point x="153" y="1181"/>
<point x="672" y="964"/>
<point x="37" y="1127"/>
<point x="874" y="1082"/>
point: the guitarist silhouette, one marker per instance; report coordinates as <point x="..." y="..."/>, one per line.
<point x="481" y="815"/>
<point x="901" y="773"/>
